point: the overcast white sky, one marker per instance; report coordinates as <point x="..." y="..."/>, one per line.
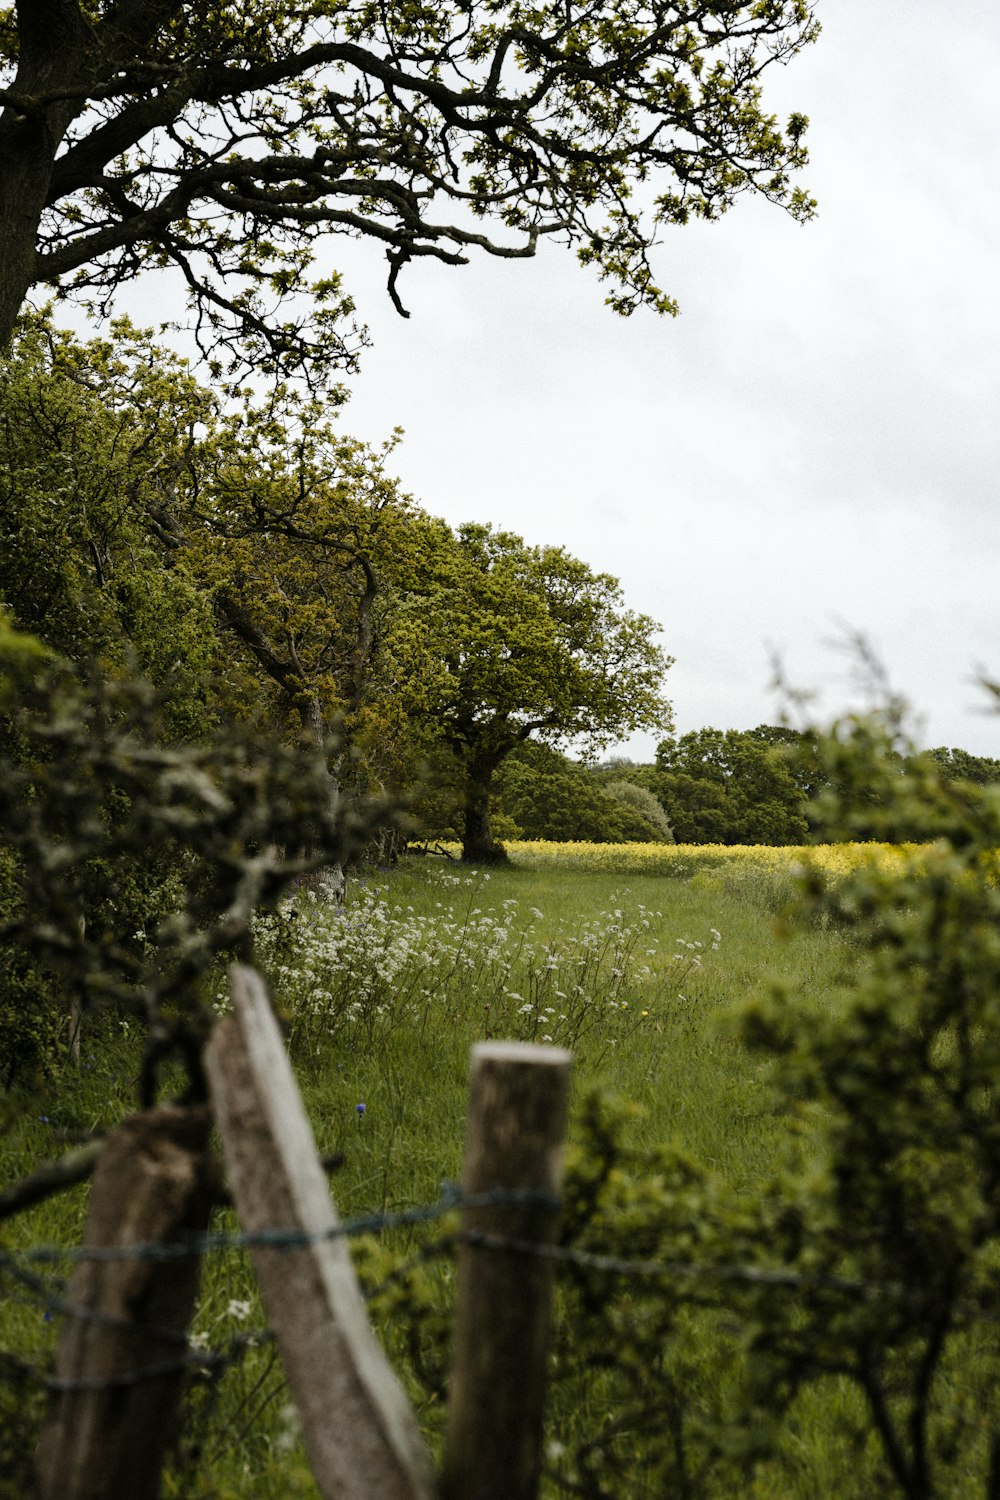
<point x="815" y="441"/>
<point x="813" y="444"/>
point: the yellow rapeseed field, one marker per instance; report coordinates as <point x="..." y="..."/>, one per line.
<point x="686" y="860"/>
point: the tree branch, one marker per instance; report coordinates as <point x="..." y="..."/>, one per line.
<point x="76" y="1166"/>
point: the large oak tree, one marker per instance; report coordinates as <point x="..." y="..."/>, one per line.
<point x="226" y="140"/>
<point x="515" y="643"/>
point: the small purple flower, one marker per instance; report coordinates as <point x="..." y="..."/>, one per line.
<point x="44" y="1119"/>
<point x="360" y="1110"/>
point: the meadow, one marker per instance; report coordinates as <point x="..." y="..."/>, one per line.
<point x="640" y="960"/>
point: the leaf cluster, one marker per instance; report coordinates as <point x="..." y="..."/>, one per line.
<point x="545" y="795"/>
<point x="227" y="141"/>
<point x="529" y="641"/>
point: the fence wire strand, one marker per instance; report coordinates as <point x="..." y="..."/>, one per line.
<point x="451" y="1199"/>
<point x="51" y="1294"/>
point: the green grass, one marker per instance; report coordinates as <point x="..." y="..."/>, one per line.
<point x="694" y="1082"/>
<point x="403" y="1052"/>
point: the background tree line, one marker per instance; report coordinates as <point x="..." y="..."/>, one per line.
<point x="768" y="785"/>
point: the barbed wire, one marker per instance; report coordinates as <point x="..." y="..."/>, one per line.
<point x="659" y="1269"/>
<point x="212" y="1363"/>
<point x="55" y="1302"/>
<point x="451" y="1199"/>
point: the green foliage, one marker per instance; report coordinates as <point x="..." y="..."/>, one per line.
<point x="644" y="819"/>
<point x="511" y="642"/>
<point x="551" y="804"/>
<point x="777" y="785"/>
<point x="959" y="765"/>
<point x="905" y="1086"/>
<point x="33" y="1025"/>
<point x="534" y="642"/>
<point x="22" y="1406"/>
<point x="130" y="865"/>
<point x="277" y="124"/>
<point x="91" y="435"/>
<point x="541" y="794"/>
<point x="729" y="787"/>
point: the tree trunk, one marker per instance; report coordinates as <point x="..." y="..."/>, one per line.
<point x="53" y="38"/>
<point x="27" y="149"/>
<point x="311" y="717"/>
<point x="478" y="844"/>
<point x="19" y="214"/>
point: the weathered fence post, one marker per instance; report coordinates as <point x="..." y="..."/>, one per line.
<point x="517" y="1116"/>
<point x="120" y="1361"/>
<point x="358" y="1427"/>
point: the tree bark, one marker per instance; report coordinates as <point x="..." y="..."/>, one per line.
<point x="478" y="844"/>
<point x="121" y="1361"/>
<point x="26" y="160"/>
<point x="62" y="56"/>
<point x="53" y="37"/>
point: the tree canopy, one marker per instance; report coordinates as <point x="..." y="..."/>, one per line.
<point x="960" y="765"/>
<point x="226" y="141"/>
<point x="519" y="642"/>
<point x="540" y="793"/>
<point x="730" y="787"/>
<point x="90" y="437"/>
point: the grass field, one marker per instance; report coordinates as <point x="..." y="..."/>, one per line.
<point x="641" y="973"/>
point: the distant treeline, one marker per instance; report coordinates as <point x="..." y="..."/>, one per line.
<point x="758" y="786"/>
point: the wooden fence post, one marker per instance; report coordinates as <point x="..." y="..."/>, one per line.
<point x="358" y="1427"/>
<point x="120" y="1362"/>
<point x="517" y="1117"/>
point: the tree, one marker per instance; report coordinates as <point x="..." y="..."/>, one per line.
<point x="520" y="642"/>
<point x="542" y="794"/>
<point x="643" y="818"/>
<point x="960" y="765"/>
<point x="292" y="545"/>
<point x="141" y="519"/>
<point x="90" y="436"/>
<point x="226" y="141"/>
<point x="729" y="787"/>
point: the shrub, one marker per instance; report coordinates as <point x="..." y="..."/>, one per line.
<point x="127" y="866"/>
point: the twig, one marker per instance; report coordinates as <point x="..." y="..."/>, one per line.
<point x="76" y="1166"/>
